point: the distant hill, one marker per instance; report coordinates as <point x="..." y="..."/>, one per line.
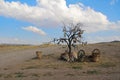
<point x="115" y="41"/>
<point x="14" y="44"/>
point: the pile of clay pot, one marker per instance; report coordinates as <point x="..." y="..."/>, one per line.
<point x="80" y="56"/>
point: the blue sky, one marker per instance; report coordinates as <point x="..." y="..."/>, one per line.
<point x="33" y="22"/>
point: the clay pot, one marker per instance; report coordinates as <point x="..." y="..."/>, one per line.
<point x="39" y="54"/>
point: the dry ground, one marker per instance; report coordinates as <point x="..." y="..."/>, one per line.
<point x="25" y="66"/>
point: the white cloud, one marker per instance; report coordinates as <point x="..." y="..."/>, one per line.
<point x="94" y="27"/>
<point x="35" y="30"/>
<point x="113" y="2"/>
<point x="53" y="12"/>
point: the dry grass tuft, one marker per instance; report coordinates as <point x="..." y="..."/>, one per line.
<point x="107" y="65"/>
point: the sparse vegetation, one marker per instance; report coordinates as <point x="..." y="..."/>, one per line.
<point x="92" y="72"/>
<point x="77" y="67"/>
<point x="5" y="68"/>
<point x="107" y="64"/>
<point x="10" y="48"/>
<point x="48" y="74"/>
<point x="44" y="45"/>
<point x="69" y="74"/>
<point x="35" y="75"/>
<point x="8" y="76"/>
<point x="1" y="75"/>
<point x="50" y="66"/>
<point x="19" y="75"/>
<point x="31" y="67"/>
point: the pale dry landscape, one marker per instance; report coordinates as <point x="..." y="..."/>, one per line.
<point x="59" y="39"/>
<point x="20" y="63"/>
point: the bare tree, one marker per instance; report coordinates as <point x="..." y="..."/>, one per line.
<point x="72" y="36"/>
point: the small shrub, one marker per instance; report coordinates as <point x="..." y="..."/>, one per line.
<point x="8" y="76"/>
<point x="19" y="74"/>
<point x="77" y="67"/>
<point x="31" y="67"/>
<point x="5" y="68"/>
<point x="92" y="72"/>
<point x="69" y="74"/>
<point x="48" y="74"/>
<point x="1" y="75"/>
<point x="107" y="65"/>
<point x="35" y="75"/>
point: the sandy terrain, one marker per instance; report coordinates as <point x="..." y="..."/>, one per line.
<point x="13" y="57"/>
<point x="21" y="64"/>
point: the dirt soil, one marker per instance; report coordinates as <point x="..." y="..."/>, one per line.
<point x="21" y="64"/>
